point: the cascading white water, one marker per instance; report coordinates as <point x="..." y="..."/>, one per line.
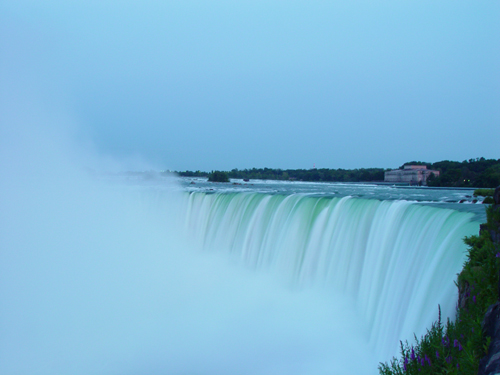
<point x="95" y="281"/>
<point x="397" y="260"/>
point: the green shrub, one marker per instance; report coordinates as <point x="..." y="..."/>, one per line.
<point x="488" y="200"/>
<point x="484" y="192"/>
<point x="218" y="176"/>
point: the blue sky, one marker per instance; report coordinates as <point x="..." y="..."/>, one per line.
<point x="241" y="84"/>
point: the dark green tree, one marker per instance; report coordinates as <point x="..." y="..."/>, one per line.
<point x="218" y="176"/>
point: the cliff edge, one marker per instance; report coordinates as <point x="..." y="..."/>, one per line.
<point x="490" y="364"/>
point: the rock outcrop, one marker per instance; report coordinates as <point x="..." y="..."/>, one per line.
<point x="490" y="365"/>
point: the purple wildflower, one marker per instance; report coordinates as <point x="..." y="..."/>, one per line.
<point x="422" y="362"/>
<point x="474" y="299"/>
<point x="448" y="359"/>
<point x="455" y="343"/>
<point x="412" y="354"/>
<point x="459" y="347"/>
<point x="437" y="354"/>
<point x="498" y="255"/>
<point x="444" y="341"/>
<point x="428" y="360"/>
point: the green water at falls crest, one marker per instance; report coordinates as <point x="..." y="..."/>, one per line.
<point x="397" y="260"/>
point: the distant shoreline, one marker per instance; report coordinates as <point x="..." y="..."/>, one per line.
<point x="469" y="174"/>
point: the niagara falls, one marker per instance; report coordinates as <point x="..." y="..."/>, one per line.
<point x="249" y="187"/>
<point x="131" y="275"/>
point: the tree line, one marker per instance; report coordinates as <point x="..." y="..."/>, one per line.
<point x="479" y="172"/>
<point x="324" y="174"/>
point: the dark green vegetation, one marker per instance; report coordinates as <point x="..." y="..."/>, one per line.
<point x="487" y="193"/>
<point x="218" y="176"/>
<point x="478" y="172"/>
<point x="338" y="175"/>
<point x="457" y="347"/>
<point x="484" y="192"/>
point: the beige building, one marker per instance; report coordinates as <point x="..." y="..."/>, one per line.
<point x="411" y="174"/>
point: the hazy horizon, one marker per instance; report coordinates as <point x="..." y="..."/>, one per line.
<point x="222" y="85"/>
<point x="392" y="167"/>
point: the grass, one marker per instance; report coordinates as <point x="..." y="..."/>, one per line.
<point x="457" y="347"/>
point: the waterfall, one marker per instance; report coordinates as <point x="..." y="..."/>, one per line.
<point x="395" y="259"/>
<point x="98" y="279"/>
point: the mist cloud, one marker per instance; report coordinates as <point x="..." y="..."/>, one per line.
<point x="97" y="279"/>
